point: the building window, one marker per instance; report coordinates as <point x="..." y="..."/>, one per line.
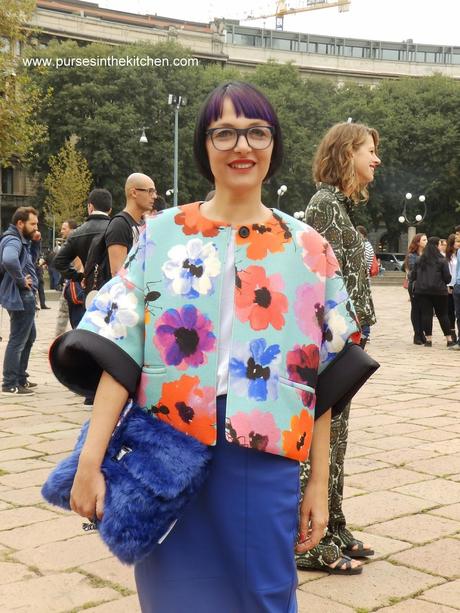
<point x="281" y="43"/>
<point x="244" y="39"/>
<point x="7" y="180"/>
<point x="390" y="54"/>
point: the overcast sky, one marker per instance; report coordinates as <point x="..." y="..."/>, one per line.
<point x="425" y="21"/>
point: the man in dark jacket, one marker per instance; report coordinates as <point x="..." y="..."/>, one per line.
<point x="78" y="243"/>
<point x="17" y="296"/>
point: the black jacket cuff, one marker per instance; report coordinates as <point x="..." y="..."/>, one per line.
<point x="79" y="357"/>
<point x="342" y="378"/>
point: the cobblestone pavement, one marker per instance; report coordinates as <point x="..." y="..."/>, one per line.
<point x="402" y="489"/>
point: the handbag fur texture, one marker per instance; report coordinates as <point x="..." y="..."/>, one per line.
<point x="151" y="470"/>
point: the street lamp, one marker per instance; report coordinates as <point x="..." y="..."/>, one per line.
<point x="177" y="102"/>
<point x="300" y="215"/>
<point x="281" y="191"/>
<point x="404" y="217"/>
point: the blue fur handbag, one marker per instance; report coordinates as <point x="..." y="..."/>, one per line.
<point x="151" y="471"/>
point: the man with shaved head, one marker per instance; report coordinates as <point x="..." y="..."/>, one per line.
<point x="123" y="230"/>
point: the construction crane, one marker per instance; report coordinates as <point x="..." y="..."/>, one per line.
<point x="309" y="5"/>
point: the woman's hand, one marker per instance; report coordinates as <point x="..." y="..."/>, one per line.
<point x="88" y="490"/>
<point x="313" y="515"/>
<point x="314" y="508"/>
<point x="87" y="493"/>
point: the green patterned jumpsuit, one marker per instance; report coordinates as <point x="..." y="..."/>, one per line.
<point x="328" y="212"/>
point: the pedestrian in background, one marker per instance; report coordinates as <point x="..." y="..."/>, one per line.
<point x="71" y="258"/>
<point x="456" y="288"/>
<point x="17" y="295"/>
<point x="63" y="307"/>
<point x="414" y="251"/>
<point x="40" y="265"/>
<point x="123" y="230"/>
<point x="430" y="276"/>
<point x="453" y="245"/>
<point x="343" y="167"/>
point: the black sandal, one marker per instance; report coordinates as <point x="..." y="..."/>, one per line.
<point x="343" y="567"/>
<point x="359" y="552"/>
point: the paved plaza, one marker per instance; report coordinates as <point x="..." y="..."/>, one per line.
<point x="402" y="488"/>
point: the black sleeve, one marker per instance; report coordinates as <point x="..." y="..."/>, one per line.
<point x="446" y="276"/>
<point x="119" y="232"/>
<point x="63" y="261"/>
<point x="342" y="379"/>
<point x="79" y="357"/>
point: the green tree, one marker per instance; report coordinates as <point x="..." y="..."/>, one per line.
<point x="19" y="99"/>
<point x="68" y="184"/>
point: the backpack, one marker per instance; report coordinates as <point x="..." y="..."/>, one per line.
<point x="7" y="233"/>
<point x="97" y="267"/>
<point x="73" y="292"/>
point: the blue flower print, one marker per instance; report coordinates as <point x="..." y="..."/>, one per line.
<point x="254" y="370"/>
<point x="113" y="310"/>
<point x="192" y="269"/>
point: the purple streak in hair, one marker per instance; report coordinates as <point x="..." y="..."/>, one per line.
<point x="247" y="101"/>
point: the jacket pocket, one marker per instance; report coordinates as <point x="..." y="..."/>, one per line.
<point x="297" y="400"/>
<point x="296" y="385"/>
<point x="154" y="370"/>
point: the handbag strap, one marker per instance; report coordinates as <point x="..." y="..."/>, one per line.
<point x="123" y="415"/>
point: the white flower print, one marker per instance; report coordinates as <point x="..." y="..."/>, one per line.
<point x="192" y="269"/>
<point x="336" y="333"/>
<point x="113" y="310"/>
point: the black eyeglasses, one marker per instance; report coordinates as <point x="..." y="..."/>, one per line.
<point x="150" y="190"/>
<point x="257" y="137"/>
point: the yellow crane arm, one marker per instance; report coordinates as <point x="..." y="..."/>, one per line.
<point x="282" y="10"/>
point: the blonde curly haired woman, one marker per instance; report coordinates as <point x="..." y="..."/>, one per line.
<point x="343" y="167"/>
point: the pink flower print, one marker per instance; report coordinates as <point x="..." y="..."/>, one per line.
<point x="256" y="429"/>
<point x="309" y="310"/>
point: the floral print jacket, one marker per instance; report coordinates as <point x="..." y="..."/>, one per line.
<point x="154" y="328"/>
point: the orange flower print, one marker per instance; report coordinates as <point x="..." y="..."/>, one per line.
<point x="297" y="440"/>
<point x="258" y="298"/>
<point x="262" y="239"/>
<point x="193" y="222"/>
<point x="188" y="408"/>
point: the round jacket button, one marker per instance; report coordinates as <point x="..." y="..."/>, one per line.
<point x="243" y="231"/>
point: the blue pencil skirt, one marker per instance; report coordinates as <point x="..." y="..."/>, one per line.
<point x="233" y="549"/>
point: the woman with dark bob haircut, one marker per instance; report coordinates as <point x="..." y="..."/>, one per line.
<point x="249" y="308"/>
